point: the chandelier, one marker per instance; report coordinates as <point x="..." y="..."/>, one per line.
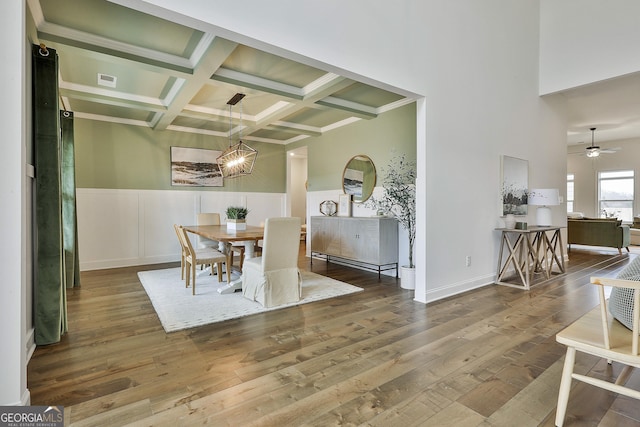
<point x="238" y="159"/>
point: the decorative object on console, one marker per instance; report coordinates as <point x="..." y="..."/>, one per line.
<point x="238" y="159"/>
<point x="543" y="198"/>
<point x="344" y="205"/>
<point x="399" y="201"/>
<point x="510" y="221"/>
<point x="236" y="218"/>
<point x="328" y="208"/>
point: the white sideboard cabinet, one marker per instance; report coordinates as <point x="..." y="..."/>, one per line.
<point x="360" y="241"/>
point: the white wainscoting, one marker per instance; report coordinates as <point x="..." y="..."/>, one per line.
<point x="118" y="228"/>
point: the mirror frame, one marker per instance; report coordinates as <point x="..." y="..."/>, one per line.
<point x="361" y="192"/>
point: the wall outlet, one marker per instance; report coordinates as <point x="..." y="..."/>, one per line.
<point x="467" y="260"/>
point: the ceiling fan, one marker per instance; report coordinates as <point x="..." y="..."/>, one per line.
<point x="594" y="150"/>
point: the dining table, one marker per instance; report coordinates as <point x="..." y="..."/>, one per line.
<point x="226" y="238"/>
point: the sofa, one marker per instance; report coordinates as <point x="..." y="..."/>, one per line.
<point x="635" y="231"/>
<point x="598" y="232"/>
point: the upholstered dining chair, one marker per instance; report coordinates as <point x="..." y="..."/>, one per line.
<point x="207" y="218"/>
<point x="273" y="278"/>
<point x="603" y="333"/>
<point x="201" y="256"/>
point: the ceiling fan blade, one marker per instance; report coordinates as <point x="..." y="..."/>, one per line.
<point x="610" y="150"/>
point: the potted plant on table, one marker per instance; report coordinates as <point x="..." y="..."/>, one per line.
<point x="399" y="201"/>
<point x="237" y="218"/>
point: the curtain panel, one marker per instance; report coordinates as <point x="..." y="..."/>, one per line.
<point x="56" y="266"/>
<point x="69" y="217"/>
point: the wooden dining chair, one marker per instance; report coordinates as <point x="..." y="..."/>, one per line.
<point x="213" y="218"/>
<point x="183" y="253"/>
<point x="601" y="334"/>
<point x="200" y="256"/>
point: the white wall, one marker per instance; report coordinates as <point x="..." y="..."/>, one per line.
<point x="482" y="103"/>
<point x="586" y="171"/>
<point x="13" y="214"/>
<point x="585" y="41"/>
<point x="118" y="228"/>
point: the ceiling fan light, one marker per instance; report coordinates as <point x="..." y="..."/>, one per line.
<point x="593" y="151"/>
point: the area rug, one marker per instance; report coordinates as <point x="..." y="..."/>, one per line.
<point x="178" y="309"/>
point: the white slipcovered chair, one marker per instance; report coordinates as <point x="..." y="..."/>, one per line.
<point x="273" y="278"/>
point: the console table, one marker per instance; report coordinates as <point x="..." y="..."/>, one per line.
<point x="366" y="242"/>
<point x="530" y="251"/>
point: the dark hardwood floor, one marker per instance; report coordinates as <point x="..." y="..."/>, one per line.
<point x="484" y="358"/>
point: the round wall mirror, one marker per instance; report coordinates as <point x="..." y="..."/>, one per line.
<point x="359" y="178"/>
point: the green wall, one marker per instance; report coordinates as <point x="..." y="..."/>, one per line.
<point x="329" y="153"/>
<point x="111" y="155"/>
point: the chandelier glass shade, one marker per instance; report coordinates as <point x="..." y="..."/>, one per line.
<point x="238" y="159"/>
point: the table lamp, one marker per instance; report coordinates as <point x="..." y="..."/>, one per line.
<point x="543" y="198"/>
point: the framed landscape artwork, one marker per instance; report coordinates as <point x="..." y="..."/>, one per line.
<point x="515" y="185"/>
<point x="195" y="167"/>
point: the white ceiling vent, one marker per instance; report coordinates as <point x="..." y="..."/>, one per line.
<point x="107" y="80"/>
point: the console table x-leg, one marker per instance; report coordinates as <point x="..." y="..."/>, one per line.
<point x="529" y="251"/>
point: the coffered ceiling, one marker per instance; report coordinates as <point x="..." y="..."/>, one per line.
<point x="121" y="65"/>
<point x="171" y="76"/>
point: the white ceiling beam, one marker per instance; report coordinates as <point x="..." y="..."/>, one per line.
<point x="210" y="61"/>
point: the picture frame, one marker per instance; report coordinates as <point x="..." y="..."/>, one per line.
<point x="514" y="186"/>
<point x="195" y="167"/>
<point x="344" y="205"/>
<point x="328" y="208"/>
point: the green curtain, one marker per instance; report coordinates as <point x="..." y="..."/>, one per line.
<point x="69" y="217"/>
<point x="53" y="160"/>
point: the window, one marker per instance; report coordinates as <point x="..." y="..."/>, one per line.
<point x="615" y="195"/>
<point x="570" y="184"/>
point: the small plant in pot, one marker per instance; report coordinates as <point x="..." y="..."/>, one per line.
<point x="237" y="217"/>
<point x="399" y="201"/>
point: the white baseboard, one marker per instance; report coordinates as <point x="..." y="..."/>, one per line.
<point x="126" y="262"/>
<point x="458" y="288"/>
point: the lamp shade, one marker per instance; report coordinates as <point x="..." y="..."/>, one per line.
<point x="544" y="197"/>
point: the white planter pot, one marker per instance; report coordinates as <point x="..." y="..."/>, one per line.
<point x="407" y="277"/>
<point x="510" y="221"/>
<point x="236" y="224"/>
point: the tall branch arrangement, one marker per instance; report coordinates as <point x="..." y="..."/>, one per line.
<point x="399" y="198"/>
